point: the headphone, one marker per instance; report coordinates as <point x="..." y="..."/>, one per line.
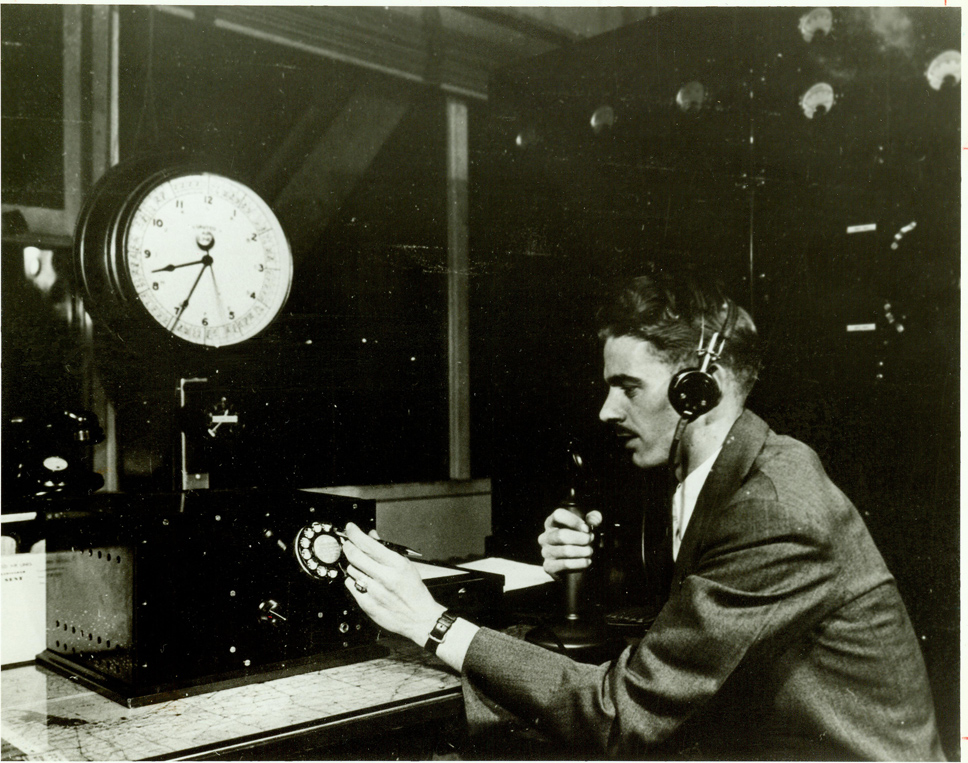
<point x="695" y="391"/>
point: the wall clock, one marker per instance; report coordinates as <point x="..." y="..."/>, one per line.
<point x="183" y="252"/>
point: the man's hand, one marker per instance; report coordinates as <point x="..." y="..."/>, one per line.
<point x="388" y="588"/>
<point x="566" y="543"/>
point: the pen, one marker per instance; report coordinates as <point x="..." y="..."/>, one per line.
<point x="398" y="547"/>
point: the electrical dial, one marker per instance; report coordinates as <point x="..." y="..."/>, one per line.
<point x="318" y="551"/>
<point x="222" y="420"/>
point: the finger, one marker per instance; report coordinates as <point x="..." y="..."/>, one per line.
<point x="594" y="518"/>
<point x="361" y="581"/>
<point x="554" y="566"/>
<point x="563" y="537"/>
<point x="374" y="534"/>
<point x="566" y="552"/>
<point x="362" y="598"/>
<point x="372" y="548"/>
<point x="360" y="559"/>
<point x="555" y="533"/>
<point x="563" y="518"/>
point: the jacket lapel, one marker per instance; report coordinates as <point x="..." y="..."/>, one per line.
<point x="743" y="444"/>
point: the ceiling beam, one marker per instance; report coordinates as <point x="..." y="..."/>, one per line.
<point x="524" y="24"/>
<point x="331" y="171"/>
<point x="373" y="38"/>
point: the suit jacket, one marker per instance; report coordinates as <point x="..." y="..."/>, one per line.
<point x="784" y="636"/>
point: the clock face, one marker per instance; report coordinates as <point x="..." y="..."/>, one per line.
<point x="207" y="259"/>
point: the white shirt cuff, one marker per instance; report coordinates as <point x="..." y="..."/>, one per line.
<point x="457" y="640"/>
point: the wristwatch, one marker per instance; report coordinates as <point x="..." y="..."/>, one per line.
<point x="439" y="631"/>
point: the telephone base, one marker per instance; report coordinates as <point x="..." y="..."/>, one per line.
<point x="582" y="640"/>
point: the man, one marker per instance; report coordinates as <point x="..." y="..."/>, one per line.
<point x="783" y="635"/>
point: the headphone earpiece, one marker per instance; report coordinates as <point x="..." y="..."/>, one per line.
<point x="695" y="391"/>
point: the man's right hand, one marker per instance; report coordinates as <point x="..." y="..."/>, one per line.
<point x="566" y="543"/>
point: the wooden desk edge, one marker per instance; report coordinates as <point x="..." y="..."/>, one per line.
<point x="346" y="727"/>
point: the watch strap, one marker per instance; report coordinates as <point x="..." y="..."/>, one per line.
<point x="439" y="631"/>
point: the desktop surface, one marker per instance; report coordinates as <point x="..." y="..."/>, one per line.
<point x="46" y="716"/>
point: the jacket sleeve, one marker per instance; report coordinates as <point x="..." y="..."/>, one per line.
<point x="764" y="575"/>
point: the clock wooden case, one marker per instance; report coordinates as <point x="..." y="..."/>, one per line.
<point x="180" y="251"/>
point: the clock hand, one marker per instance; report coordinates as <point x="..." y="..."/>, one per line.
<point x="206" y="262"/>
<point x="169" y="268"/>
<point x="218" y="295"/>
<point x="205" y="241"/>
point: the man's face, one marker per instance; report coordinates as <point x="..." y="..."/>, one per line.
<point x="638" y="399"/>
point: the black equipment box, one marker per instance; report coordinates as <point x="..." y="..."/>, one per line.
<point x="156" y="596"/>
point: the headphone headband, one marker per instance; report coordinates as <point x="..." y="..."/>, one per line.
<point x="717" y="342"/>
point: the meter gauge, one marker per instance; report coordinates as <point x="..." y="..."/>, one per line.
<point x="221" y="420"/>
<point x="318" y="551"/>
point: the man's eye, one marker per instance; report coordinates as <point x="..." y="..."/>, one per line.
<point x="630" y="391"/>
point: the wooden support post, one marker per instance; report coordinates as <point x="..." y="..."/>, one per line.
<point x="103" y="153"/>
<point x="105" y="44"/>
<point x="74" y="176"/>
<point x="458" y="263"/>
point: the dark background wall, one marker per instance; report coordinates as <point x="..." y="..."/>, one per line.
<point x="349" y="386"/>
<point x="751" y="189"/>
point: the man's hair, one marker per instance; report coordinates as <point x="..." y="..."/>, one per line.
<point x="674" y="312"/>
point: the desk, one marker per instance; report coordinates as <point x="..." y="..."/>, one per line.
<point x="48" y="717"/>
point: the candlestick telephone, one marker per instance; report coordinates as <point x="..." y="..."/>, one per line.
<point x="580" y="631"/>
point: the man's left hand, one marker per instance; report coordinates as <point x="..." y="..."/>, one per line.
<point x="393" y="595"/>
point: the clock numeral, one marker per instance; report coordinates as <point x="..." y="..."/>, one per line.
<point x="147" y="253"/>
<point x="231" y="315"/>
<point x="155" y="286"/>
<point x="208" y="199"/>
<point x="178" y="309"/>
<point x="204" y="321"/>
<point x="252" y="294"/>
<point x="158" y="222"/>
<point x="179" y="204"/>
<point x="253" y="237"/>
<point x="260" y="267"/>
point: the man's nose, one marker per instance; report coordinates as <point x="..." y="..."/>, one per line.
<point x="610" y="412"/>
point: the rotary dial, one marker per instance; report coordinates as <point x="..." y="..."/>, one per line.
<point x="318" y="551"/>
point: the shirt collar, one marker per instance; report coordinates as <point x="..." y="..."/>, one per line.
<point x="684" y="501"/>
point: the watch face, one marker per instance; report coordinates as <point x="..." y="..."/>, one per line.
<point x="207" y="258"/>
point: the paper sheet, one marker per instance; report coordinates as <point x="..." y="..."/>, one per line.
<point x="24" y="593"/>
<point x="430" y="571"/>
<point x="516" y="574"/>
